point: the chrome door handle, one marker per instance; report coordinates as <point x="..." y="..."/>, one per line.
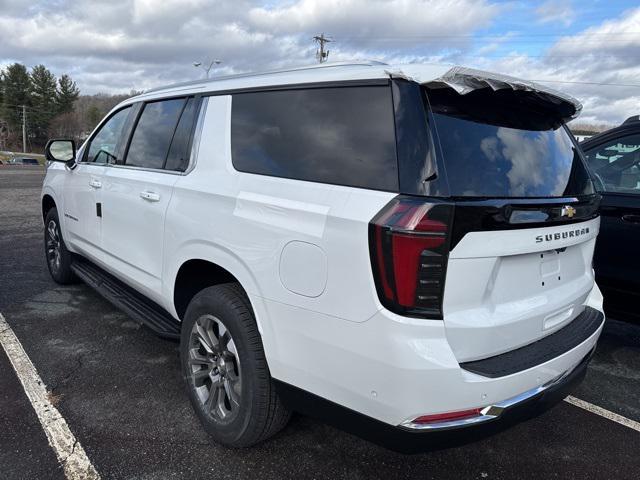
<point x="150" y="196"/>
<point x="95" y="184"/>
<point x="631" y="218"/>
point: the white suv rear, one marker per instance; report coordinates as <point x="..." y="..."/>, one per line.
<point x="403" y="251"/>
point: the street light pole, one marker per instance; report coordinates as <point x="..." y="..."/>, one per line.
<point x="207" y="69"/>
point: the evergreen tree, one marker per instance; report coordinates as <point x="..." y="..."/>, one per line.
<point x="16" y="92"/>
<point x="67" y="93"/>
<point x="94" y="115"/>
<point x="43" y="102"/>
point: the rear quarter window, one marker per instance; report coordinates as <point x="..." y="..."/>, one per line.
<point x="153" y="134"/>
<point x="338" y="135"/>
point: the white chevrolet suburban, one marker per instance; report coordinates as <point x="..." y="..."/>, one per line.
<point x="403" y="251"/>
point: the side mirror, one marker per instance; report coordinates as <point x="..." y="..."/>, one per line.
<point x="61" y="150"/>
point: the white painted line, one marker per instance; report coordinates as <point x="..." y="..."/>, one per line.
<point x="70" y="453"/>
<point x="603" y="412"/>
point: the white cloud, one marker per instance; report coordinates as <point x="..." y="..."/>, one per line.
<point x="390" y="22"/>
<point x="118" y="45"/>
<point x="115" y="44"/>
<point x="554" y="11"/>
<point x="608" y="53"/>
<point x="617" y="36"/>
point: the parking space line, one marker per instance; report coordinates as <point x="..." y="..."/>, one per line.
<point x="70" y="453"/>
<point x="603" y="412"/>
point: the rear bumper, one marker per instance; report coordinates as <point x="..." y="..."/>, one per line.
<point x="406" y="439"/>
<point x="499" y="410"/>
<point x="392" y="370"/>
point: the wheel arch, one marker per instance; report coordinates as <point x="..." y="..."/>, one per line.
<point x="193" y="276"/>
<point x="48" y="203"/>
<point x="201" y="264"/>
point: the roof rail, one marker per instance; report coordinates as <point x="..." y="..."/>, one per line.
<point x="632" y="119"/>
<point x="354" y="63"/>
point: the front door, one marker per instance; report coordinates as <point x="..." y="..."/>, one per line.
<point x="83" y="185"/>
<point x="81" y="196"/>
<point x="616" y="165"/>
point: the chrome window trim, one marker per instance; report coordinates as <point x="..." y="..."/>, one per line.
<point x="195" y="145"/>
<point x="145" y="169"/>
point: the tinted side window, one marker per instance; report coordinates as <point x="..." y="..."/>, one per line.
<point x="340" y="136"/>
<point x="178" y="158"/>
<point x="153" y="133"/>
<point x="616" y="165"/>
<point x="104" y="145"/>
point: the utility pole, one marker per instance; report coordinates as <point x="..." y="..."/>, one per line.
<point x="24" y="129"/>
<point x="321" y="55"/>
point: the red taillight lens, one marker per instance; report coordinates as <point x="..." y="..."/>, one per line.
<point x="447" y="417"/>
<point x="409" y="248"/>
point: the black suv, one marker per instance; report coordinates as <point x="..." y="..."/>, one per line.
<point x="614" y="159"/>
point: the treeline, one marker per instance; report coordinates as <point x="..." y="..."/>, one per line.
<point x="87" y="112"/>
<point x="53" y="107"/>
<point x="581" y="128"/>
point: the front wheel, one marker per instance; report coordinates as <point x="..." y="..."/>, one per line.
<point x="225" y="369"/>
<point x="59" y="259"/>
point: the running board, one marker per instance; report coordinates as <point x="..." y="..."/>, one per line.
<point x="127" y="299"/>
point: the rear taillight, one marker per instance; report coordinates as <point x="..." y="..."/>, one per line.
<point x="409" y="242"/>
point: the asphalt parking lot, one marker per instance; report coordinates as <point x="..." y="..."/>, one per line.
<point x="119" y="388"/>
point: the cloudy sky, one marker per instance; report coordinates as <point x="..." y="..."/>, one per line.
<point x="589" y="48"/>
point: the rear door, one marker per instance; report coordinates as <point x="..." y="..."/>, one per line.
<point x="524" y="225"/>
<point x="137" y="192"/>
<point x="615" y="163"/>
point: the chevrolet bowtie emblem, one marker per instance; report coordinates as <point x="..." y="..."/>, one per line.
<point x="568" y="211"/>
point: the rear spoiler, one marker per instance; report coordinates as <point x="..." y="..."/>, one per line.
<point x="465" y="80"/>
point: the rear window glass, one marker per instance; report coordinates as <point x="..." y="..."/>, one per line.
<point x="342" y="135"/>
<point x="497" y="148"/>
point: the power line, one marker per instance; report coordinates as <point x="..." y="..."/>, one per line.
<point x="591" y="83"/>
<point x="29" y="108"/>
<point x="492" y="35"/>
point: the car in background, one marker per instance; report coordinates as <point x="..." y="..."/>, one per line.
<point x="614" y="159"/>
<point x="27" y="161"/>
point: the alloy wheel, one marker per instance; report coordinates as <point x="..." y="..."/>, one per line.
<point x="214" y="368"/>
<point x="53" y="246"/>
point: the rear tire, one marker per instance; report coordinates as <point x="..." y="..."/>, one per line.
<point x="225" y="369"/>
<point x="58" y="258"/>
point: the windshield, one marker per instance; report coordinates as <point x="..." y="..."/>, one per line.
<point x="500" y="146"/>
